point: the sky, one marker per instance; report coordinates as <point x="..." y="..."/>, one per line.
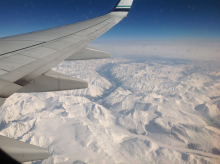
<point x="148" y="20"/>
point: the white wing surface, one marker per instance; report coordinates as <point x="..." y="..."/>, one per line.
<point x="28" y="56"/>
<point x="26" y="60"/>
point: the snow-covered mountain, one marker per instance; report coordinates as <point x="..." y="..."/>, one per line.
<point x="137" y="110"/>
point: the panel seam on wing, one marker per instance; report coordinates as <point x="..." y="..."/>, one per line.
<point x="54" y="39"/>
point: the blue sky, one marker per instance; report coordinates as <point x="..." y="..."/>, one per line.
<point x="147" y="20"/>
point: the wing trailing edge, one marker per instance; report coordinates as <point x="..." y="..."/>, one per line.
<point x="53" y="81"/>
<point x="21" y="151"/>
<point x="89" y="53"/>
<point x="2" y="100"/>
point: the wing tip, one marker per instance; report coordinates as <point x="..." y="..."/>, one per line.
<point x="123" y="6"/>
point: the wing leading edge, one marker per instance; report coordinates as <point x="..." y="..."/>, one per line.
<point x="26" y="60"/>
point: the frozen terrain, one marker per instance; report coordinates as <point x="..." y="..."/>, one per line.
<point x="137" y="110"/>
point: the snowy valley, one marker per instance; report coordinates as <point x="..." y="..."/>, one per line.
<point x="136" y="110"/>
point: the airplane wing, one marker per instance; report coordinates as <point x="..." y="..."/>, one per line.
<point x="26" y="60"/>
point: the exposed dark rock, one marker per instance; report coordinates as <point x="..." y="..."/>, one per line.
<point x="215" y="151"/>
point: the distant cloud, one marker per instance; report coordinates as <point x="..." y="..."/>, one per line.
<point x="196" y="49"/>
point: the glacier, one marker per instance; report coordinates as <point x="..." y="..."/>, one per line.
<point x="136" y="110"/>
